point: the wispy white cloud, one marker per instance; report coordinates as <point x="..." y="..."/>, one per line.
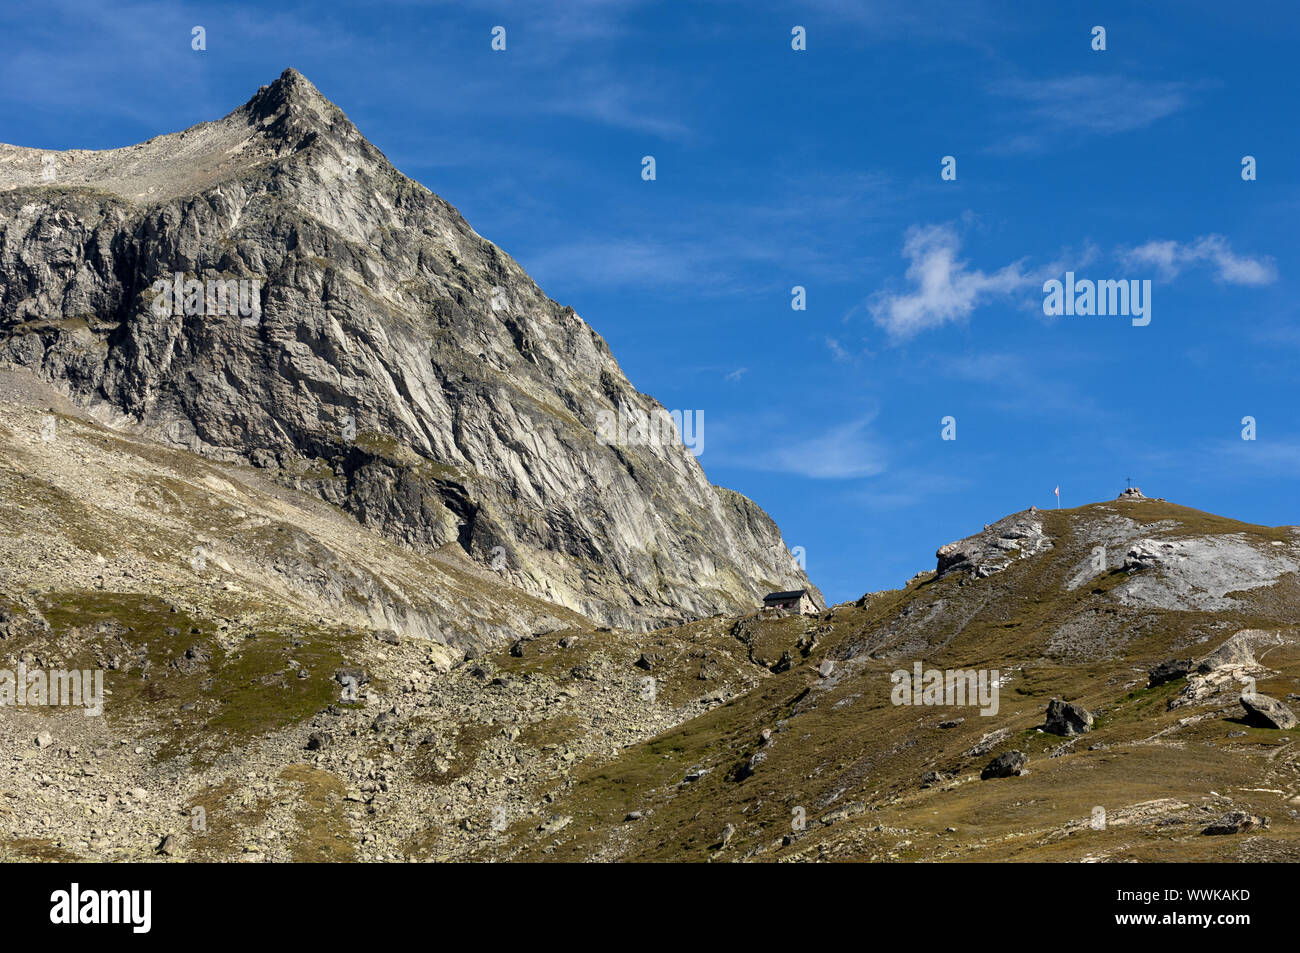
<point x="596" y="95"/>
<point x="1267" y="455"/>
<point x="626" y="263"/>
<point x="912" y="487"/>
<point x="843" y="452"/>
<point x="944" y="288"/>
<point x="1088" y="104"/>
<point x="1017" y="384"/>
<point x="1171" y="257"/>
<point x="882" y="22"/>
<point x="838" y="351"/>
<point x="736" y="375"/>
<point x="777" y="443"/>
<point x="985" y="368"/>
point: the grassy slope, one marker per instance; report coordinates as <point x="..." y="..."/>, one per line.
<point x="845" y="748"/>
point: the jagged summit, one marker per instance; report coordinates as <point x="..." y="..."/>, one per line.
<point x="289" y="88"/>
<point x="280" y="120"/>
<point x="385" y="357"/>
<point x="293" y="111"/>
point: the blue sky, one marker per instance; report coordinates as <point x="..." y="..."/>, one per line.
<point x="821" y="168"/>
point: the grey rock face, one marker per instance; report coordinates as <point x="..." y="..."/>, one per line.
<point x="1265" y="711"/>
<point x="1067" y="718"/>
<point x="1006" y="765"/>
<point x="1236" y="822"/>
<point x="385" y="357"/>
<point x="1199" y="572"/>
<point x="1220" y="676"/>
<point x="1016" y="537"/>
<point x="1236" y="652"/>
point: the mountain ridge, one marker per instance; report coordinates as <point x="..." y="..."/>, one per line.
<point x="399" y="364"/>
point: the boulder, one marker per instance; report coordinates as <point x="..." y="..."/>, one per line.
<point x="1236" y="822"/>
<point x="555" y="824"/>
<point x="746" y="769"/>
<point x="1067" y="718"/>
<point x="1146" y="553"/>
<point x="728" y="833"/>
<point x="1264" y="711"/>
<point x="1006" y="765"/>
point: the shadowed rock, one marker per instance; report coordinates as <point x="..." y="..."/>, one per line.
<point x="1264" y="711"/>
<point x="1168" y="671"/>
<point x="1067" y="718"/>
<point x="1006" y="765"/>
<point x="1236" y="822"/>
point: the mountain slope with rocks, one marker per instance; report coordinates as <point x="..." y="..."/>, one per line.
<point x="1143" y="710"/>
<point x="380" y="355"/>
<point x="1147" y="658"/>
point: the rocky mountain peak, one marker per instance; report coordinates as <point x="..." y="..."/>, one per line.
<point x="345" y="330"/>
<point x="293" y="112"/>
<point x="289" y="88"/>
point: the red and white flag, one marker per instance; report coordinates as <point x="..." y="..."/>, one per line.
<point x="1057" y="491"/>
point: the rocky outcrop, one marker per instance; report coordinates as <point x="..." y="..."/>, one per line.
<point x="1229" y="669"/>
<point x="1200" y="571"/>
<point x="1147" y="553"/>
<point x="1236" y="653"/>
<point x="1016" y="537"/>
<point x="1236" y="822"/>
<point x="343" y="328"/>
<point x="1066" y="718"/>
